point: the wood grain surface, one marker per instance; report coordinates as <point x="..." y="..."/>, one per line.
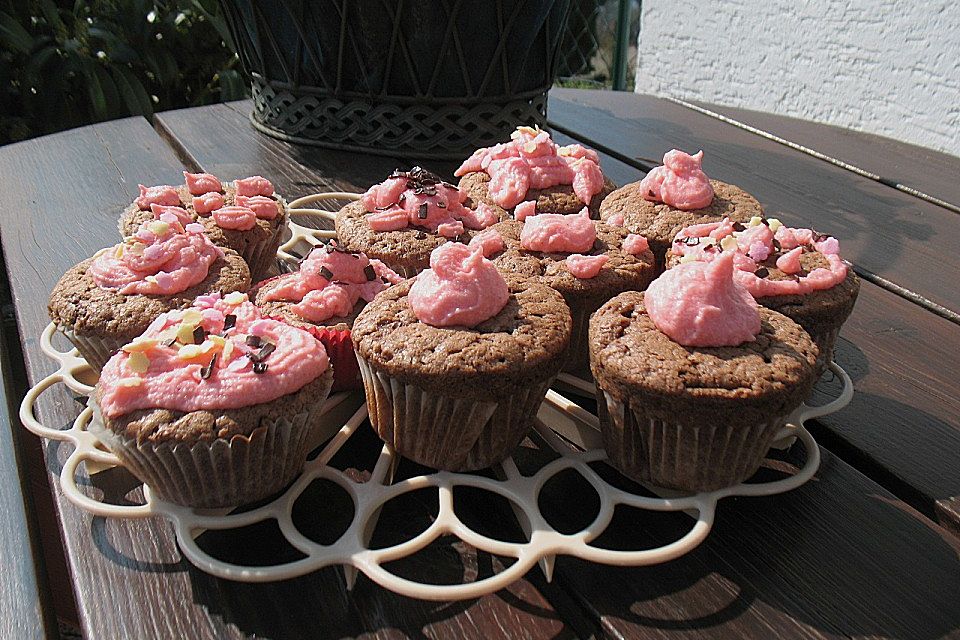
<point x="903" y="426"/>
<point x="883" y="231"/>
<point x="25" y="607"/>
<point x="931" y="172"/>
<point x="839" y="557"/>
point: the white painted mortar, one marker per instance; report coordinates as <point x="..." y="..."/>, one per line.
<point x="882" y="66"/>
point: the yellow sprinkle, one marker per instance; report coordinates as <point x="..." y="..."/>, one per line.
<point x="708" y="241"/>
<point x="140" y="344"/>
<point x="774" y="224"/>
<point x="189" y="351"/>
<point x="129" y="382"/>
<point x="217" y="340"/>
<point x="191" y="316"/>
<point x="235" y="298"/>
<point x="530" y="131"/>
<point x="754" y="221"/>
<point x="129" y="239"/>
<point x="729" y="244"/>
<point x="688" y="258"/>
<point x="530" y="147"/>
<point x="167" y="334"/>
<point x="138" y="362"/>
<point x="137" y="248"/>
<point x="116" y="254"/>
<point x="151" y="279"/>
<point x="185" y="333"/>
<point x="158" y="227"/>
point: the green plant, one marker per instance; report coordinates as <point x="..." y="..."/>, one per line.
<point x="68" y="63"/>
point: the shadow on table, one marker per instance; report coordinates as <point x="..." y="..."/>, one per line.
<point x="834" y="556"/>
<point x="319" y="604"/>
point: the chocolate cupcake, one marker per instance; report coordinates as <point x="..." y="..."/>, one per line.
<point x="533" y="168"/>
<point x="797" y="272"/>
<point x="673" y="196"/>
<point x="403" y="219"/>
<point x="109" y="299"/>
<point x="586" y="261"/>
<point x="213" y="406"/>
<point x="324" y="296"/>
<point x="456" y="362"/>
<point x="245" y="215"/>
<point x="694" y="380"/>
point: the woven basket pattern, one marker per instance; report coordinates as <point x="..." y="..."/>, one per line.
<point x="431" y="79"/>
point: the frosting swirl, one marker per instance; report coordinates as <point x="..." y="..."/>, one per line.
<point x="555" y="233"/>
<point x="680" y="182"/>
<point x="418" y="198"/>
<point x="699" y="304"/>
<point x="161" y="258"/>
<point x="531" y="160"/>
<point x="219" y="354"/>
<point x="461" y="288"/>
<point x="763" y="244"/>
<point x="330" y="282"/>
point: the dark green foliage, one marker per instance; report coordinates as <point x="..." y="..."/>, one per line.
<point x="68" y="63"/>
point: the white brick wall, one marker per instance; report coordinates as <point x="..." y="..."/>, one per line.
<point x="889" y="67"/>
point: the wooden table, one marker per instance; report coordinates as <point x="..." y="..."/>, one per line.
<point x="867" y="548"/>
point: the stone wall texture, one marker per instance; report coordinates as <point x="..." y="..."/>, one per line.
<point x="882" y="66"/>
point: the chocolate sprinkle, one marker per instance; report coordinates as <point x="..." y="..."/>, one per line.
<point x="422" y="211"/>
<point x="295" y="254"/>
<point x="370" y="272"/>
<point x="265" y="350"/>
<point x="329" y="248"/>
<point x="253" y="341"/>
<point x="651" y="193"/>
<point x="441" y="204"/>
<point x="820" y="237"/>
<point x="326" y="273"/>
<point x="762" y="272"/>
<point x="691" y="242"/>
<point x="207" y="371"/>
<point x="420" y="235"/>
<point x="401" y="200"/>
<point x="738" y="226"/>
<point x="229" y="321"/>
<point x="259" y="367"/>
<point x="168" y="342"/>
<point x="198" y="335"/>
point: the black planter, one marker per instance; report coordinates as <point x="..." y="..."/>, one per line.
<point x="425" y="79"/>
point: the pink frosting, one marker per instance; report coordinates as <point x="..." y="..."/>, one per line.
<point x="156" y="260"/>
<point x="700" y="304"/>
<point x="553" y="232"/>
<point x="208" y="202"/>
<point x="635" y="244"/>
<point x="524" y="210"/>
<point x="585" y="266"/>
<point x="181" y="214"/>
<point x="489" y="241"/>
<point x="680" y="182"/>
<point x="265" y="208"/>
<point x="253" y="186"/>
<point x="201" y="183"/>
<point x="163" y="194"/>
<point x="179" y="383"/>
<point x="418" y="198"/>
<point x="239" y="218"/>
<point x="461" y="288"/>
<point x="331" y="282"/>
<point x="755" y="244"/>
<point x="531" y="160"/>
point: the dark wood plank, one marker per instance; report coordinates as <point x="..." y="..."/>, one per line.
<point x="883" y="231"/>
<point x="689" y="603"/>
<point x="931" y="172"/>
<point x="69" y="191"/>
<point x="25" y="607"/>
<point x="906" y="413"/>
<point x="839" y="557"/>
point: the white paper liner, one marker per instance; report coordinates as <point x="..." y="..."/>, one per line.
<point x="96" y="350"/>
<point x="448" y="432"/>
<point x="222" y="472"/>
<point x="702" y="457"/>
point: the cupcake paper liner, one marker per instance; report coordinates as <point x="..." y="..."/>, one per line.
<point x="578" y="353"/>
<point x="447" y="432"/>
<point x="825" y="340"/>
<point x="694" y="458"/>
<point x="222" y="472"/>
<point x="260" y="256"/>
<point x="96" y="350"/>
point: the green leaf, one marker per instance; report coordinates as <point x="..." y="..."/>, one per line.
<point x="232" y="85"/>
<point x="51" y="13"/>
<point x="134" y="95"/>
<point x="97" y="98"/>
<point x="35" y="71"/>
<point x="111" y="96"/>
<point x="14" y="35"/>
